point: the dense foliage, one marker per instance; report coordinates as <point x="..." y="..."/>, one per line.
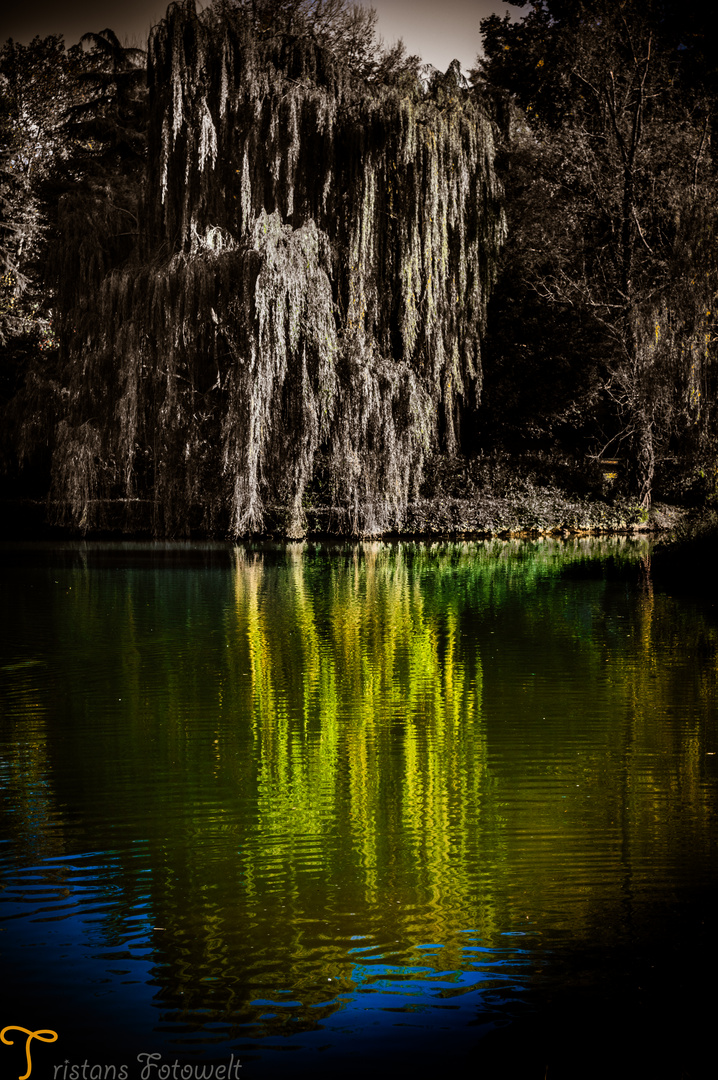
<point x="303" y="301"/>
<point x="610" y="271"/>
<point x="71" y="145"/>
<point x="256" y="274"/>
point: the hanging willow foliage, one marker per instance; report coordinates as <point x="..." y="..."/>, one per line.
<point x="307" y="301"/>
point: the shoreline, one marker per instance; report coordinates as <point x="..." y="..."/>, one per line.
<point x="530" y="515"/>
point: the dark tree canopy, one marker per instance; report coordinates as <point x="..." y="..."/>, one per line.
<point x="612" y="210"/>
<point x="278" y="265"/>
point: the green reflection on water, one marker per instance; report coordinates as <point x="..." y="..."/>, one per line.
<point x="330" y="770"/>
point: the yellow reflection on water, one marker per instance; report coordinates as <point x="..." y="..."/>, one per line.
<point x="367" y="719"/>
<point x="335" y="756"/>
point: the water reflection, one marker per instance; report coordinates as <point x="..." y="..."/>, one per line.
<point x="316" y="796"/>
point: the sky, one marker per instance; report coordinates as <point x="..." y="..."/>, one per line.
<point x="438" y="30"/>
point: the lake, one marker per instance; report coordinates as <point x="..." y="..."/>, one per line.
<point x="355" y="809"/>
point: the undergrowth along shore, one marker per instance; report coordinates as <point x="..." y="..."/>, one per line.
<point x="482" y="497"/>
<point x="542" y="512"/>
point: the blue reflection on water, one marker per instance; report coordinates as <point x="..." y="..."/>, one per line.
<point x="72" y="932"/>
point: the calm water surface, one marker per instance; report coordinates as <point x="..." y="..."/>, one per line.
<point x="376" y="807"/>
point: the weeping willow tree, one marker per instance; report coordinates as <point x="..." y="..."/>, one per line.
<point x="302" y="315"/>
